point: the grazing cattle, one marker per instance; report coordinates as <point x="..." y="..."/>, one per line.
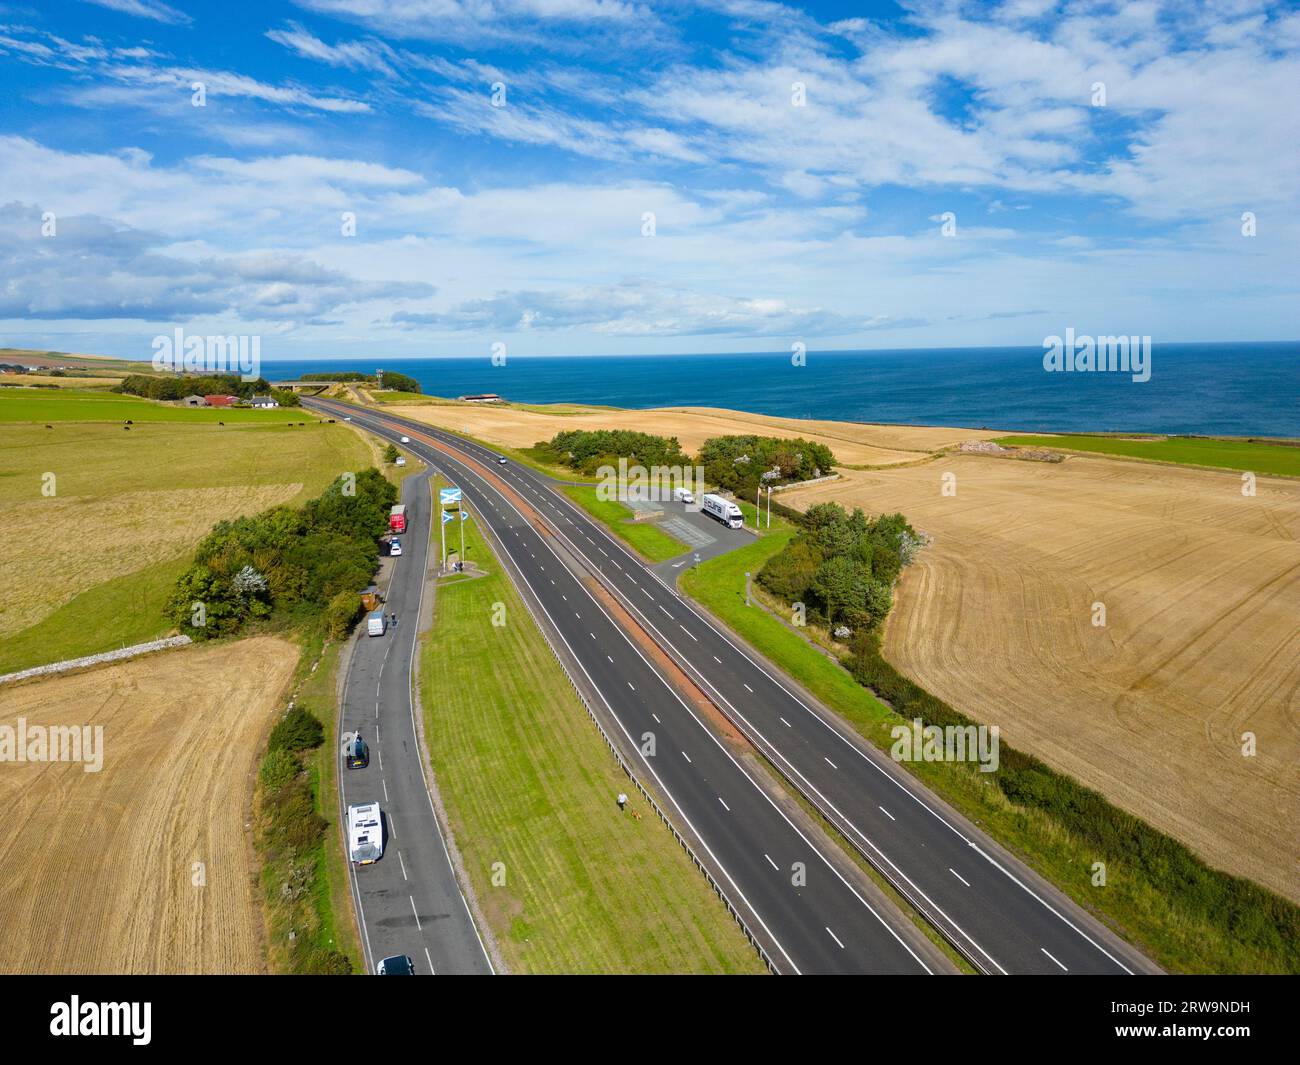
<point x="49" y="427"/>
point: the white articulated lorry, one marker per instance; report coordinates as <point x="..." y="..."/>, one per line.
<point x="365" y="833"/>
<point x="724" y="510"/>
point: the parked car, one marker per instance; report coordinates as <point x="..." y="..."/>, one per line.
<point x="397" y="965"/>
<point x="401" y="460"/>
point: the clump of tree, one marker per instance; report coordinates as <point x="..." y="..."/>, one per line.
<point x="309" y="562"/>
<point x="286" y="397"/>
<point x="178" y="387"/>
<point x="842" y="566"/>
<point x="742" y="463"/>
<point x="400" y="382"/>
<point x="587" y="450"/>
<point x="390" y="454"/>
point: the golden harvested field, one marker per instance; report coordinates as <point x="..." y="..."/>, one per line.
<point x="98" y="870"/>
<point x="852" y="443"/>
<point x="86" y="381"/>
<point x="1201" y="588"/>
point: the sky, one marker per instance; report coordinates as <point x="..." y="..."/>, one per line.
<point x="435" y="177"/>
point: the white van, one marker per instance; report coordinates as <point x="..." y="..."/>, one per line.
<point x="683" y="495"/>
<point x="724" y="510"/>
<point x="376" y="623"/>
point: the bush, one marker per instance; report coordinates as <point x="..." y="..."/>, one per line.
<point x="278" y="770"/>
<point x="390" y="454"/>
<point x="298" y="730"/>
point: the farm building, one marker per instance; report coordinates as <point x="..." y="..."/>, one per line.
<point x="262" y="401"/>
<point x="220" y="401"/>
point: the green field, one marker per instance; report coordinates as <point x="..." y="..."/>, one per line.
<point x="96" y="562"/>
<point x="529" y="783"/>
<point x="1193" y="451"/>
<point x="645" y="537"/>
<point x="85" y="405"/>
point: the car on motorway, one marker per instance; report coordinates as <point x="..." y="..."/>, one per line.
<point x="395" y="546"/>
<point x="397" y="965"/>
<point x="501" y="460"/>
<point x="406" y="440"/>
<point x="348" y="418"/>
<point x="356" y="753"/>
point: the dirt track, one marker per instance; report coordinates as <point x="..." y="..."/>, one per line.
<point x="97" y="869"/>
<point x="1201" y="588"/>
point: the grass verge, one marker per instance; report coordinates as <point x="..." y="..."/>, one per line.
<point x="567" y="882"/>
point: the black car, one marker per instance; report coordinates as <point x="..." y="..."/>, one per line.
<point x="357" y="753"/>
<point x="397" y="965"/>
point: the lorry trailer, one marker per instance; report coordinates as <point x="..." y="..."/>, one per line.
<point x="724" y="510"/>
<point x="397" y="518"/>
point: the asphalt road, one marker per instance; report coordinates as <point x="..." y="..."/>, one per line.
<point x="408" y="902"/>
<point x="1002" y="916"/>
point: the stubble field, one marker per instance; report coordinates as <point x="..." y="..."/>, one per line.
<point x="146" y="865"/>
<point x="1200" y="646"/>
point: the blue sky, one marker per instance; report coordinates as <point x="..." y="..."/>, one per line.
<point x="799" y="163"/>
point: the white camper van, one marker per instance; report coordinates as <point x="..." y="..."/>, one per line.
<point x="365" y="833"/>
<point x="723" y="509"/>
<point x="375" y="623"/>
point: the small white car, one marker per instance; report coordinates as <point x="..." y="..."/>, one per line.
<point x="401" y="460"/>
<point x="348" y="418"/>
<point x="501" y="460"/>
<point x="406" y="440"/>
<point x="395" y="547"/>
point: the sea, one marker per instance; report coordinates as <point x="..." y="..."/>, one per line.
<point x="1238" y="389"/>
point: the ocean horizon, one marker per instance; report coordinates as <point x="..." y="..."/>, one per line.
<point x="1231" y="389"/>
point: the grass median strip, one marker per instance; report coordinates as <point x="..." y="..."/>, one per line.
<point x="568" y="883"/>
